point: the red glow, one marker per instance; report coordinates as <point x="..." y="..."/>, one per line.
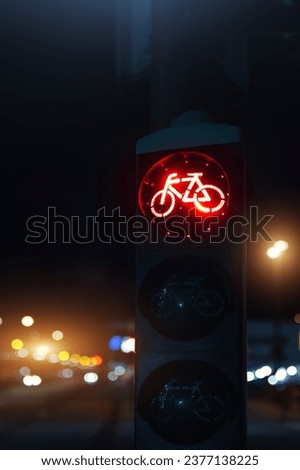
<point x="181" y="182"/>
<point x="97" y="359"/>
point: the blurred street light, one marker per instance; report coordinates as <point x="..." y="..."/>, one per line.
<point x="17" y="344"/>
<point x="57" y="335"/>
<point x="278" y="249"/>
<point x="27" y="321"/>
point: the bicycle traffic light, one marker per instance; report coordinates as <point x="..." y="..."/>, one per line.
<point x="190" y="374"/>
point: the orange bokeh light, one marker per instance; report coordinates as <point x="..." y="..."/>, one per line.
<point x="96" y="360"/>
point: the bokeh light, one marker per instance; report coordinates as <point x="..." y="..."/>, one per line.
<point x="250" y="376"/>
<point x="273" y="252"/>
<point x="57" y="335"/>
<point x="96" y="360"/>
<point x="259" y="374"/>
<point x="75" y="358"/>
<point x="292" y="370"/>
<point x="63" y="355"/>
<point x="272" y="380"/>
<point x="128" y="345"/>
<point x="276" y="250"/>
<point x="84" y="361"/>
<point x="53" y="358"/>
<point x="120" y="370"/>
<point x="36" y="380"/>
<point x="38" y="357"/>
<point x="40" y="353"/>
<point x="42" y="349"/>
<point x="112" y="376"/>
<point x="266" y="370"/>
<point x="90" y="377"/>
<point x="281" y="245"/>
<point x="27" y="321"/>
<point x="23" y="352"/>
<point x="263" y="372"/>
<point x="297" y="318"/>
<point x="65" y="373"/>
<point x="27" y="380"/>
<point x="115" y="343"/>
<point x="24" y="371"/>
<point x="281" y="373"/>
<point x="1" y="321"/>
<point x="17" y="344"/>
<point x="32" y="380"/>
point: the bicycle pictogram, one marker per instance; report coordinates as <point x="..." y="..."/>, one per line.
<point x="207" y="198"/>
<point x="207" y="407"/>
<point x="208" y="303"/>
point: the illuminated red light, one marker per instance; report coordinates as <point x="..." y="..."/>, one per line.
<point x="97" y="360"/>
<point x="183" y="181"/>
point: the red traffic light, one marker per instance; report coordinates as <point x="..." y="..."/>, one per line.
<point x="184" y="181"/>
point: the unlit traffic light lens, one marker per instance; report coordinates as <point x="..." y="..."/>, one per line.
<point x="186" y="402"/>
<point x="185" y="297"/>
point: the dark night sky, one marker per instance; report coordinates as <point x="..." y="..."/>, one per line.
<point x="68" y="140"/>
<point x="59" y="123"/>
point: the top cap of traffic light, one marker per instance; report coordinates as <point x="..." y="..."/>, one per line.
<point x="189" y="130"/>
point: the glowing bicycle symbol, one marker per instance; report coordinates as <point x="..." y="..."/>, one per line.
<point x="196" y="192"/>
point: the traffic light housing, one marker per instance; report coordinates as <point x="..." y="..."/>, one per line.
<point x="190" y="282"/>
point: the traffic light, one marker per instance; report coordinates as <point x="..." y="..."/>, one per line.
<point x="190" y="302"/>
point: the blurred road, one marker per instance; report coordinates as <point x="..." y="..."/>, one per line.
<point x="61" y="435"/>
<point x="273" y="435"/>
<point x="72" y="417"/>
<point x="76" y="416"/>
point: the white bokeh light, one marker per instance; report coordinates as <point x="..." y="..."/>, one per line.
<point x="24" y="371"/>
<point x="281" y="374"/>
<point x="128" y="345"/>
<point x="292" y="370"/>
<point x="272" y="380"/>
<point x="250" y="376"/>
<point x="27" y="321"/>
<point x="112" y="376"/>
<point x="90" y="377"/>
<point x="57" y="335"/>
<point x="32" y="380"/>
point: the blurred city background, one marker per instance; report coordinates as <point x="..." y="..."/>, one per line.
<point x="80" y="82"/>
